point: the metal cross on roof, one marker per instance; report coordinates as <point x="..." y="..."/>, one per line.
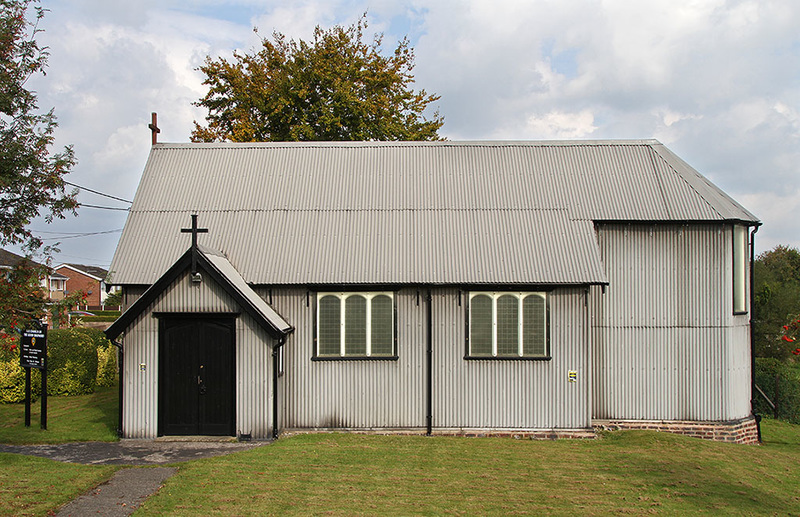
<point x="194" y="230"/>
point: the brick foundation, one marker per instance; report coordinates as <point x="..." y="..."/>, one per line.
<point x="742" y="431"/>
<point x="518" y="434"/>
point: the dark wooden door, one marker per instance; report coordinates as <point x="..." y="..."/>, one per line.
<point x="196" y="376"/>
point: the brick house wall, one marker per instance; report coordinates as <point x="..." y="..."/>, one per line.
<point x="78" y="281"/>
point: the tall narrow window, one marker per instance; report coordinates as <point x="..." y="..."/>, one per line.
<point x="508" y="325"/>
<point x="382" y="318"/>
<point x="739" y="269"/>
<point x="480" y="325"/>
<point x="329" y="328"/>
<point x="355" y="325"/>
<point x="534" y="336"/>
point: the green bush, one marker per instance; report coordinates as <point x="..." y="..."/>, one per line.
<point x="101" y="318"/>
<point x="780" y="381"/>
<point x="114" y="314"/>
<point x="106" y="356"/>
<point x="71" y="362"/>
<point x="78" y="359"/>
<point x="107" y="366"/>
<point x="12" y="375"/>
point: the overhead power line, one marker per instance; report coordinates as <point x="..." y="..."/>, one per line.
<point x="98" y="193"/>
<point x="104" y="207"/>
<point x="76" y="235"/>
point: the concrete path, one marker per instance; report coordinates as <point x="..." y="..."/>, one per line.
<point x="121" y="495"/>
<point x="129" y="487"/>
<point x="131" y="452"/>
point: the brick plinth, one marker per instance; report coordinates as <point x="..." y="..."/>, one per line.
<point x="742" y="431"/>
<point x="518" y="434"/>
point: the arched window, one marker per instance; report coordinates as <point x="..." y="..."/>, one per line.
<point x="508" y="325"/>
<point x="355" y="325"/>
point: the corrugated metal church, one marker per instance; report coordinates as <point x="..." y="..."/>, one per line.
<point x="525" y="288"/>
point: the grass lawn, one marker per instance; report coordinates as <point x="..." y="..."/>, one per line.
<point x="36" y="486"/>
<point x="69" y="419"/>
<point x="624" y="472"/>
<point x="343" y="474"/>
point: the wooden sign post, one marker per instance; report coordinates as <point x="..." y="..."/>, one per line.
<point x="33" y="354"/>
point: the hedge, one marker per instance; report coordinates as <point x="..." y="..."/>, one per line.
<point x="780" y="381"/>
<point x="78" y="359"/>
<point x="12" y="375"/>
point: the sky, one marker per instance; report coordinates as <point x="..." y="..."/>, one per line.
<point x="716" y="81"/>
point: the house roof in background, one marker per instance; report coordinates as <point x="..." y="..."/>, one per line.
<point x="9" y="260"/>
<point x="95" y="272"/>
<point x="407" y="212"/>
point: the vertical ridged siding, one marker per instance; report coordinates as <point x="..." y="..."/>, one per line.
<point x="667" y="345"/>
<point x="253" y="361"/>
<point x="466" y="394"/>
<point x="511" y="394"/>
<point x="351" y="394"/>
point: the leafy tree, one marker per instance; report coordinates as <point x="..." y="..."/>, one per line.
<point x="777" y="302"/>
<point x="114" y="299"/>
<point x="31" y="177"/>
<point x="336" y="87"/>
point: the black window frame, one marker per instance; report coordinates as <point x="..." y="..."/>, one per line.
<point x="739" y="284"/>
<point x="343" y="295"/>
<point x="496" y="294"/>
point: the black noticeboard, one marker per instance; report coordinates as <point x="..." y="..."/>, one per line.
<point x="33" y="348"/>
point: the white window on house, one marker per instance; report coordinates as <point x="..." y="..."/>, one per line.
<point x="355" y="325"/>
<point x="507" y="325"/>
<point x="740" y="269"/>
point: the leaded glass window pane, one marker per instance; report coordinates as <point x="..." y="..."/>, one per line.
<point x="382" y="334"/>
<point x="508" y="325"/>
<point x="355" y="325"/>
<point x="739" y="269"/>
<point x="329" y="331"/>
<point x="534" y="331"/>
<point x="480" y="325"/>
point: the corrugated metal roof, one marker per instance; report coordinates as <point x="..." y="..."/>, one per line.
<point x="406" y="212"/>
<point x="235" y="280"/>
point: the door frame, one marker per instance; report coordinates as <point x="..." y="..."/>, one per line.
<point x="163" y="318"/>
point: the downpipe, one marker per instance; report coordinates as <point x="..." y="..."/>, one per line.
<point x="753" y="388"/>
<point x="121" y="366"/>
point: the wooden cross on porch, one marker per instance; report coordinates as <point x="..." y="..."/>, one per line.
<point x="194" y="230"/>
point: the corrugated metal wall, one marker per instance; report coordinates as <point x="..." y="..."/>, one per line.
<point x="667" y="345"/>
<point x="351" y="394"/>
<point x="511" y="394"/>
<point x="253" y="361"/>
<point x="466" y="394"/>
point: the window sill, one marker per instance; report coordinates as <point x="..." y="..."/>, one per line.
<point x="485" y="358"/>
<point x="380" y="358"/>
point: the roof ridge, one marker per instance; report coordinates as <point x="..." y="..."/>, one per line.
<point x="405" y="143"/>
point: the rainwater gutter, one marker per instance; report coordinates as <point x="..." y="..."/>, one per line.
<point x="753" y="386"/>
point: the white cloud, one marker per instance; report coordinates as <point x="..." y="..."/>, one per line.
<point x="715" y="79"/>
<point x="778" y="212"/>
<point x="560" y="126"/>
